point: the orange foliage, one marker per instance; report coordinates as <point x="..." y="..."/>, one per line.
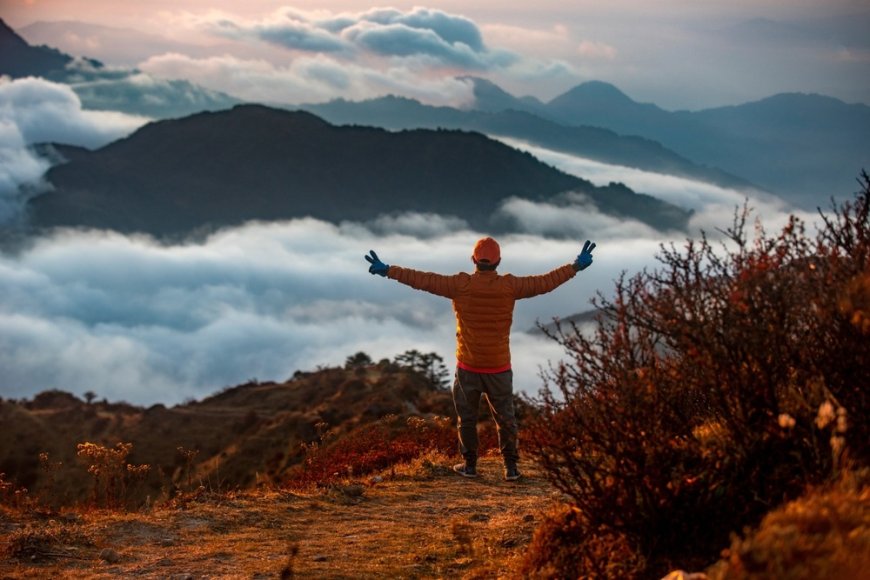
<point x="695" y="406"/>
<point x="378" y="446"/>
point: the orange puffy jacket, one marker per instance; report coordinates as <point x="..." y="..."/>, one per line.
<point x="484" y="307"/>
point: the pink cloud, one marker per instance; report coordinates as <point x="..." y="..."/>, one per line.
<point x="596" y="50"/>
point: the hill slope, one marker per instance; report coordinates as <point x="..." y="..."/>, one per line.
<point x="257" y="163"/>
<point x="243" y="435"/>
<point x="19" y="59"/>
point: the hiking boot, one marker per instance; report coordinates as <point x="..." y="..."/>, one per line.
<point x="511" y="473"/>
<point x="465" y="469"/>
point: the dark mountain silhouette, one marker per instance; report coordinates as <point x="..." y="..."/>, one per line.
<point x="104" y="88"/>
<point x="257" y="163"/>
<point x="552" y="326"/>
<point x="601" y="104"/>
<point x="590" y="142"/>
<point x="19" y="59"/>
<point x="803" y="147"/>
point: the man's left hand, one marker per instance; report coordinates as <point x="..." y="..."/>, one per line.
<point x="377" y="267"/>
<point x="584" y="260"/>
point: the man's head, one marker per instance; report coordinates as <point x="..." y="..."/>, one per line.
<point x="487" y="254"/>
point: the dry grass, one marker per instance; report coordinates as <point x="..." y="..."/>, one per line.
<point x="40" y="542"/>
<point x="417" y="520"/>
<point x="825" y="534"/>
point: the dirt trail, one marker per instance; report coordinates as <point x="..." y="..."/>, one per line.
<point x="421" y="521"/>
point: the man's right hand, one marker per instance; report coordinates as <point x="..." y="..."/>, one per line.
<point x="584" y="260"/>
<point x="377" y="267"/>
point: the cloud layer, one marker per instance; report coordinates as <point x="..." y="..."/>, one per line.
<point x="140" y="94"/>
<point x="713" y="205"/>
<point x="36" y="111"/>
<point x="311" y="79"/>
<point x="132" y="319"/>
<point x="415" y="53"/>
<point x="445" y="38"/>
<point x="44" y="112"/>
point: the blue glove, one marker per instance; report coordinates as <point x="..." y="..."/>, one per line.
<point x="377" y="267"/>
<point x="584" y="260"/>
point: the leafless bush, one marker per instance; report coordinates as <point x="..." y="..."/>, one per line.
<point x="715" y="387"/>
<point x="111" y="473"/>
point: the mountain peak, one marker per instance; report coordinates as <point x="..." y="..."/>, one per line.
<point x="595" y="91"/>
<point x="601" y="104"/>
<point x="19" y="59"/>
<point x="248" y="120"/>
<point x="6" y="31"/>
<point x="270" y="114"/>
<point x="11" y="40"/>
<point x="488" y="96"/>
<point x="482" y="84"/>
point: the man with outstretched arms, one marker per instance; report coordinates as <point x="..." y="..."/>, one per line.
<point x="484" y="304"/>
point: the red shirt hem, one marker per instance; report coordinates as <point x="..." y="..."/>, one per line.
<point x="486" y="371"/>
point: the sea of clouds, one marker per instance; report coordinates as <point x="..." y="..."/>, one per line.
<point x="134" y="319"/>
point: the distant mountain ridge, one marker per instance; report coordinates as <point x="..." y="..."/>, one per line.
<point x="19" y="59"/>
<point x="593" y="143"/>
<point x="209" y="170"/>
<point x="105" y="88"/>
<point x="804" y="147"/>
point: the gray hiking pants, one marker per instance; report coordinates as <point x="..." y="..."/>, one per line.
<point x="468" y="387"/>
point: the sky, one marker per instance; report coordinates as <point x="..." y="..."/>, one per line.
<point x="679" y="54"/>
<point x="134" y="319"/>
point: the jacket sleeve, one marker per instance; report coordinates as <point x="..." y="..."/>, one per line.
<point x="528" y="286"/>
<point x="437" y="284"/>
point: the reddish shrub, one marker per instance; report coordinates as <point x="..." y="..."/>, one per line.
<point x="714" y="388"/>
<point x="377" y="446"/>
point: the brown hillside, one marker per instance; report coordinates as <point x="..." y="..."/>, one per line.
<point x="246" y="435"/>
